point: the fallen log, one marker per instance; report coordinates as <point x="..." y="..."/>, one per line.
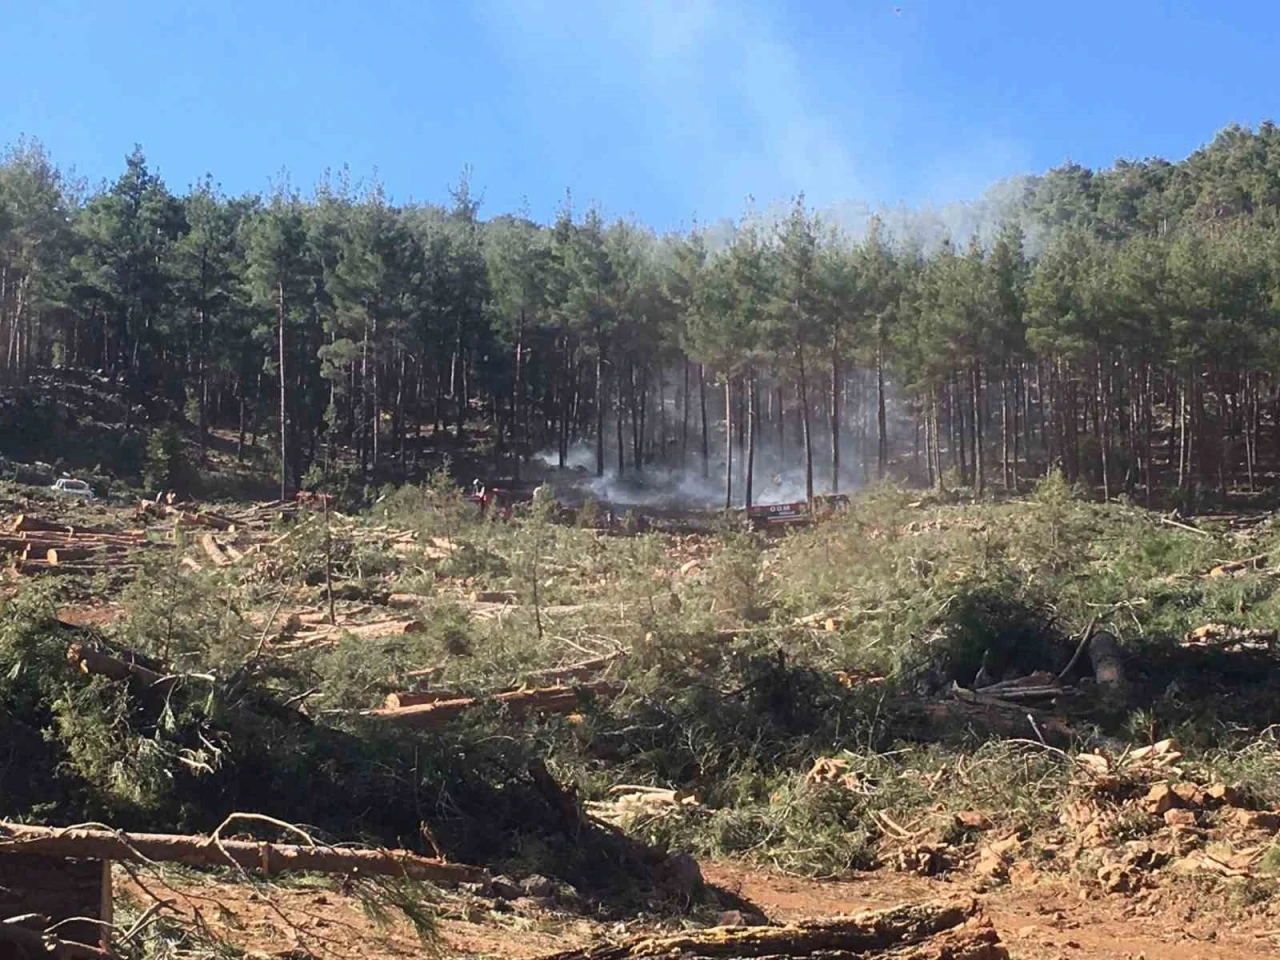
<point x="415" y="698"/>
<point x="94" y="661"/>
<point x="29" y="567"/>
<point x="29" y="522"/>
<point x="904" y="931"/>
<point x="199" y="851"/>
<point x="214" y="551"/>
<point x="57" y="556"/>
<point x="430" y="716"/>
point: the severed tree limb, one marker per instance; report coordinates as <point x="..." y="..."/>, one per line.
<point x="430" y="716"/>
<point x="198" y="851"/>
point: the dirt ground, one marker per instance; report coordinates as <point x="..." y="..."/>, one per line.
<point x="1036" y="917"/>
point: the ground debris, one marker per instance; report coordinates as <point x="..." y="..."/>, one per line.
<point x="1225" y="637"/>
<point x="631" y="803"/>
<point x="938" y="929"/>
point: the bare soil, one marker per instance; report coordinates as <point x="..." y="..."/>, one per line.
<point x="1036" y="917"/>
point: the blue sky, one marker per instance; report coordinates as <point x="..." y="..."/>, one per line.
<point x="665" y="109"/>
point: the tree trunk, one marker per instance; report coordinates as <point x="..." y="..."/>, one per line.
<point x="284" y="398"/>
<point x="702" y="403"/>
<point x="519" y="429"/>
<point x="618" y="414"/>
<point x="808" y="438"/>
<point x="979" y="469"/>
<point x="636" y="437"/>
<point x="882" y="428"/>
<point x="684" y="416"/>
<point x="1004" y="428"/>
<point x="600" y="398"/>
<point x="751" y="438"/>
<point x="1104" y="430"/>
<point x="835" y="418"/>
<point x="782" y="429"/>
<point x="728" y="442"/>
<point x="375" y="412"/>
<point x="202" y="385"/>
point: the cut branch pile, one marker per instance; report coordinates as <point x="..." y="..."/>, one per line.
<point x="36" y="545"/>
<point x="941" y="930"/>
<point x="520" y="703"/>
<point x="199" y="851"/>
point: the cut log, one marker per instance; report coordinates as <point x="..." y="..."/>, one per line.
<point x="27" y="522"/>
<point x="198" y="851"/>
<point x="214" y="551"/>
<point x="415" y="698"/>
<point x="904" y="931"/>
<point x="57" y="556"/>
<point x="94" y="661"/>
<point x="430" y="716"/>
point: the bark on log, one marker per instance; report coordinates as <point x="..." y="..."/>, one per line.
<point x="197" y="851"/>
<point x="430" y="716"/>
<point x="94" y="661"/>
<point x="27" y="521"/>
<point x="903" y="931"/>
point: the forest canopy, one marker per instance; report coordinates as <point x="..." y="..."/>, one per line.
<point x="1119" y="324"/>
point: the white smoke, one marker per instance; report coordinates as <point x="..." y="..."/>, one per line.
<point x="674" y="488"/>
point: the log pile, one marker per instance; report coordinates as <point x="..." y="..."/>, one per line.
<point x="198" y="851"/>
<point x="939" y="930"/>
<point x="36" y="545"/>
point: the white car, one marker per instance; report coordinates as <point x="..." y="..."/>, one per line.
<point x="74" y="488"/>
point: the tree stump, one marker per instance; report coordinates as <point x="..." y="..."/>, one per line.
<point x="59" y="890"/>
